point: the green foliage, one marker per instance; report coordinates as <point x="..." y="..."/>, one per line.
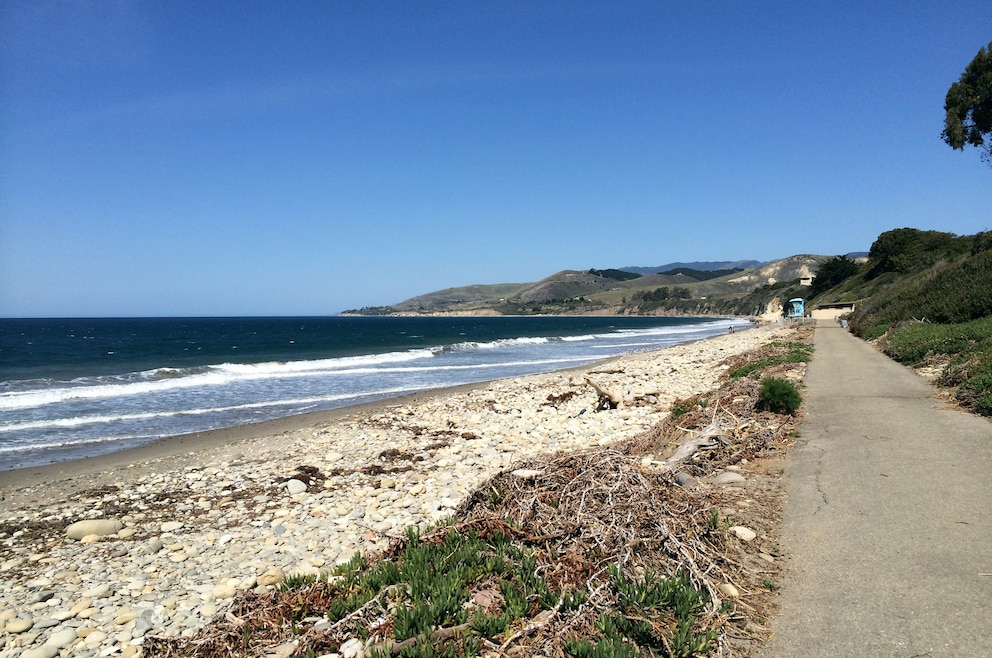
<point x="755" y="302"/>
<point x="618" y="275"/>
<point x="779" y="396"/>
<point x="655" y="614"/>
<point x="606" y="648"/>
<point x="370" y="310"/>
<point x="908" y="249"/>
<point x="797" y="353"/>
<point x="968" y="106"/>
<point x="664" y="297"/>
<point x="429" y="583"/>
<point x="298" y="581"/>
<point x="700" y="275"/>
<point x="682" y="407"/>
<point x="956" y="292"/>
<point x="832" y="273"/>
<point x="966" y="347"/>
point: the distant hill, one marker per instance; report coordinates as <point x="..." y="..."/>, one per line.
<point x="705" y="266"/>
<point x="703" y="289"/>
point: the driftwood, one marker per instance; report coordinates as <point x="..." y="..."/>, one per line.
<point x="707" y="439"/>
<point x="607" y="399"/>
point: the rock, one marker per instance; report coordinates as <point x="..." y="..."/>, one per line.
<point x="295" y="486"/>
<point x="18" y="625"/>
<point x="729" y="591"/>
<point x="727" y="477"/>
<point x="61" y="639"/>
<point x="98" y="527"/>
<point x="272" y="577"/>
<point x="44" y="651"/>
<point x="224" y="591"/>
<point x="526" y="473"/>
<point x="96" y="592"/>
<point x="743" y="533"/>
<point x="685" y="480"/>
<point x="171" y="526"/>
<point x="283" y="650"/>
<point x="95" y="638"/>
<point x="352" y="648"/>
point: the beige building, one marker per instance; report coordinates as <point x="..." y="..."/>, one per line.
<point x="831" y="311"/>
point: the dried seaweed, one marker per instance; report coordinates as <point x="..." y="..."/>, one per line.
<point x="581" y="514"/>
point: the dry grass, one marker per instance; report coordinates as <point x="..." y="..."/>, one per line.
<point x="578" y="513"/>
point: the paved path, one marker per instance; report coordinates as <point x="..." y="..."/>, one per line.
<point x="888" y="518"/>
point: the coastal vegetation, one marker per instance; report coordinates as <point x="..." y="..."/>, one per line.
<point x="555" y="555"/>
<point x="925" y="297"/>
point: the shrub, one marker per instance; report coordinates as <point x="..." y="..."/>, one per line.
<point x="779" y="396"/>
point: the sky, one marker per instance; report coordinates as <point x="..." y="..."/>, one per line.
<point x="233" y="158"/>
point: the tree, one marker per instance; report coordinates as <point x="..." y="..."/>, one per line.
<point x="969" y="107"/>
<point x="832" y="273"/>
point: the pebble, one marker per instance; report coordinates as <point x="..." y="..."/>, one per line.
<point x="189" y="538"/>
<point x="728" y="478"/>
<point x="98" y="527"/>
<point x="295" y="486"/>
<point x="743" y="533"/>
<point x="18" y="625"/>
<point x="729" y="591"/>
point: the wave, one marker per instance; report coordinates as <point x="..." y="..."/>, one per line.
<point x="296" y="404"/>
<point x="73" y="443"/>
<point x="226" y="375"/>
<point x="165" y="380"/>
<point x="161" y="380"/>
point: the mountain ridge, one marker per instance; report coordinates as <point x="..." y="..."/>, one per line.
<point x="682" y="290"/>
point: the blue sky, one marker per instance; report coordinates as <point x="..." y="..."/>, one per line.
<point x="271" y="158"/>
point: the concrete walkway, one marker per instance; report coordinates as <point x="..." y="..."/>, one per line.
<point x="888" y="516"/>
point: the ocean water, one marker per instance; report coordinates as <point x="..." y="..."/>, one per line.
<point x="72" y="388"/>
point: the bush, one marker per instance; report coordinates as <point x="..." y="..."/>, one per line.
<point x="779" y="396"/>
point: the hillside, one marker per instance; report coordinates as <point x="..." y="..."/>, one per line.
<point x="925" y="298"/>
<point x="682" y="290"/>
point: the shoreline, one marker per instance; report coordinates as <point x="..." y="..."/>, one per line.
<point x="58" y="450"/>
<point x="197" y="521"/>
<point x="174" y="447"/>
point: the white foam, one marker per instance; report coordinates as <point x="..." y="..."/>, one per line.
<point x="164" y="379"/>
<point x="295" y="403"/>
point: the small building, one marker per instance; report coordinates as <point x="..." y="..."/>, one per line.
<point x="831" y="311"/>
<point x="795" y="308"/>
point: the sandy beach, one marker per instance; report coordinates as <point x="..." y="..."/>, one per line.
<point x="179" y="527"/>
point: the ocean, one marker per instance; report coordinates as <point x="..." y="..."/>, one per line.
<point x="72" y="388"/>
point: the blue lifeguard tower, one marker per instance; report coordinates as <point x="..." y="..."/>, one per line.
<point x="795" y="308"/>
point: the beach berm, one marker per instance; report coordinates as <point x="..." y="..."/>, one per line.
<point x="167" y="542"/>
